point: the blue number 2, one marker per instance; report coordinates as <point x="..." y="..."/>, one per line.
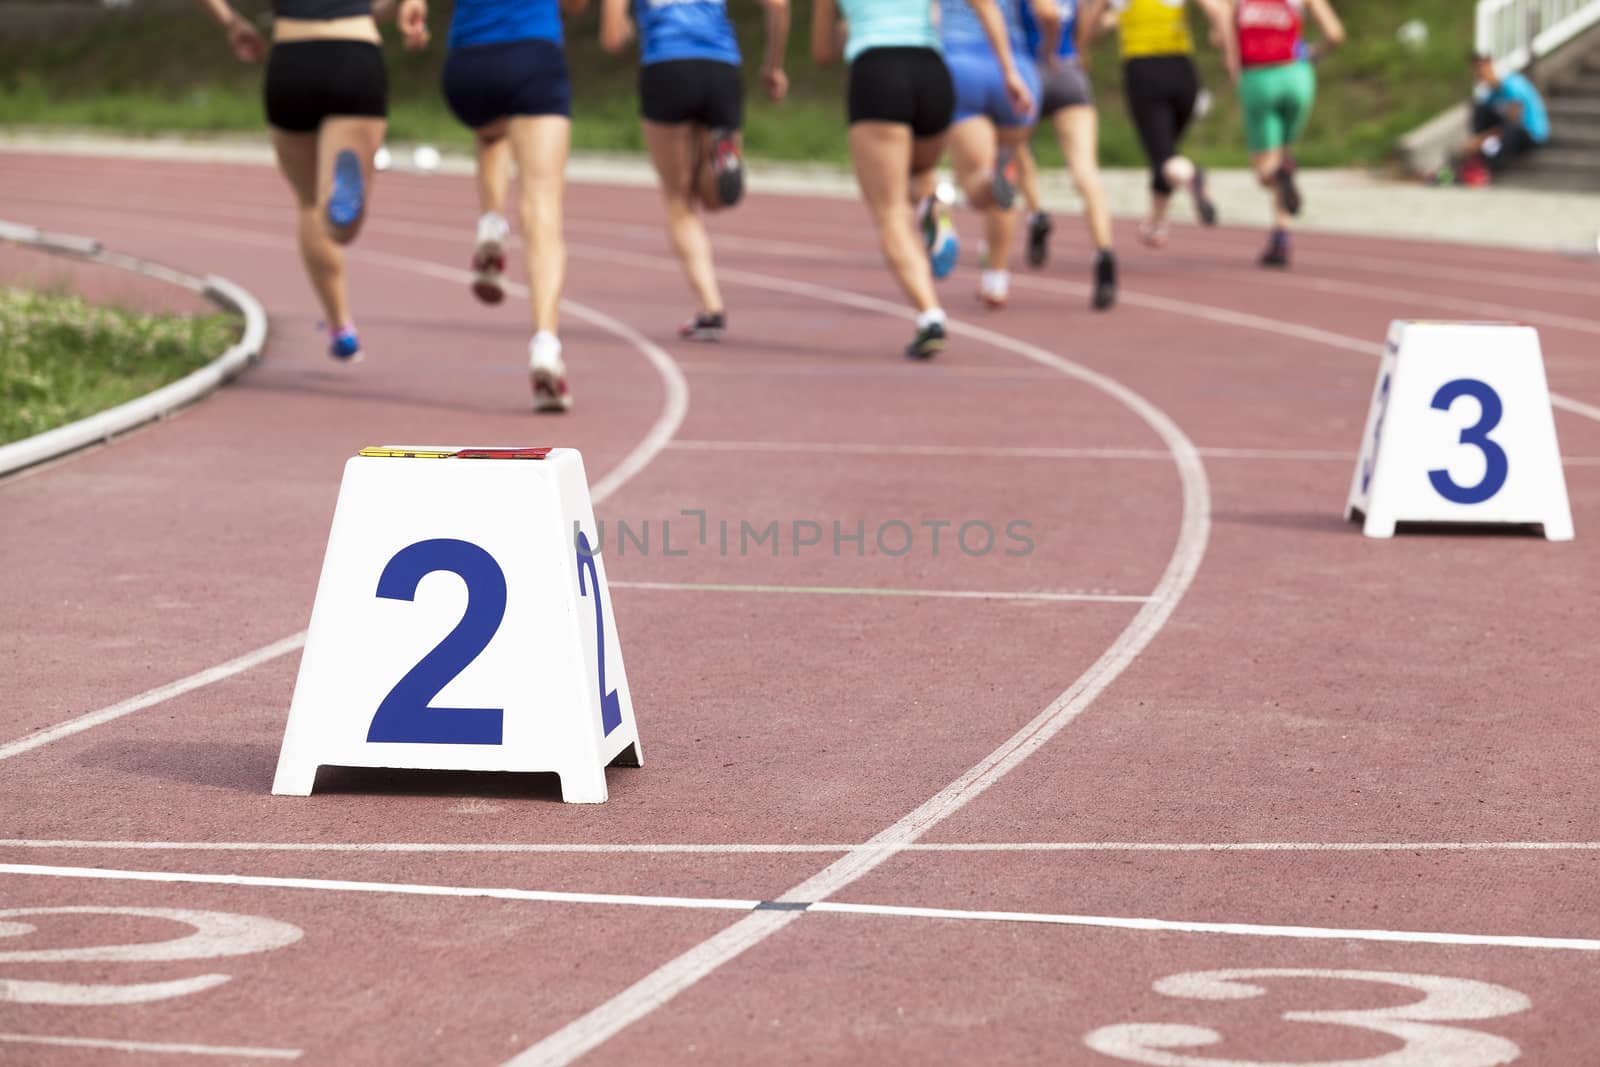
<point x="406" y="715"/>
<point x="610" y="703"/>
<point x="1477" y="435"/>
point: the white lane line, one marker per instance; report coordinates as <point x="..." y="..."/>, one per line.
<point x="761" y="912"/>
<point x="158" y="695"/>
<point x="801" y="448"/>
<point x="235" y="1051"/>
<point x="673" y="411"/>
<point x="692" y="848"/>
<point x="842" y="590"/>
<point x="640" y="999"/>
<point x="1249" y="321"/>
<point x="1318" y="933"/>
<point x="337" y="885"/>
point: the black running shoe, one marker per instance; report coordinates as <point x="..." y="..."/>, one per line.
<point x="928" y="343"/>
<point x="1288" y="190"/>
<point x="727" y="166"/>
<point x="1203" y="204"/>
<point x="1039" y="227"/>
<point x="1105" y="280"/>
<point x="704" y="327"/>
<point x="1277" y="251"/>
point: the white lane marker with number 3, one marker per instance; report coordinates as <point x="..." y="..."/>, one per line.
<point x="1427" y="1043"/>
<point x="214" y="934"/>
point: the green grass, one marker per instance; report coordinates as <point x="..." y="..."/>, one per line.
<point x="154" y="73"/>
<point x="62" y="358"/>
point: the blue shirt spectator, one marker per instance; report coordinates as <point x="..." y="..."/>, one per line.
<point x="1517" y="89"/>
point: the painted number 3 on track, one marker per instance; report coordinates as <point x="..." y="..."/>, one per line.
<point x="1423" y="1025"/>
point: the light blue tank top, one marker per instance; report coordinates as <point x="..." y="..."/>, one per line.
<point x="684" y="29"/>
<point x="1068" y="48"/>
<point x="888" y="24"/>
<point x="497" y="21"/>
<point x="963" y="32"/>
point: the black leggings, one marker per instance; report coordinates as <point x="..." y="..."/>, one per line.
<point x="1161" y="93"/>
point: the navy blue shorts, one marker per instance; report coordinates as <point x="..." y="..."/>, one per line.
<point x="484" y="83"/>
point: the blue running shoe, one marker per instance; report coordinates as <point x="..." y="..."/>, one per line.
<point x="349" y="198"/>
<point x="945" y="250"/>
<point x="344" y="345"/>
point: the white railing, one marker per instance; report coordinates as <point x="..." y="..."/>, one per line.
<point x="1516" y="32"/>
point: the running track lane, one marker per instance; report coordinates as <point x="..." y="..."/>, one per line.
<point x="756" y="978"/>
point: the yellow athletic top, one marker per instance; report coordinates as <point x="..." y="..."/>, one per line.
<point x="1154" y="28"/>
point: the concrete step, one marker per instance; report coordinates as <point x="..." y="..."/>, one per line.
<point x="1572" y="109"/>
<point x="1584" y="136"/>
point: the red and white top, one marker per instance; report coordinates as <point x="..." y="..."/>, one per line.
<point x="1269" y="31"/>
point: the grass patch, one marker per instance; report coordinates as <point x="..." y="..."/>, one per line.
<point x="62" y="358"/>
<point x="148" y="73"/>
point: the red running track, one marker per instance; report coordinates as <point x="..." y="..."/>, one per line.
<point x="1365" y="768"/>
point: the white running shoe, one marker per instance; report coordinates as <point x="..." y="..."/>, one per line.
<point x="489" y="258"/>
<point x="994" y="288"/>
<point x="548" y="373"/>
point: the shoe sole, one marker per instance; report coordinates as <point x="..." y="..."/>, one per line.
<point x="700" y="335"/>
<point x="489" y="261"/>
<point x="944" y="257"/>
<point x="925" y="351"/>
<point x="547" y="392"/>
<point x="346" y="201"/>
<point x="992" y="302"/>
<point x="1105" y="297"/>
<point x="730" y="179"/>
<point x="1038" y="247"/>
<point x="1290" y="192"/>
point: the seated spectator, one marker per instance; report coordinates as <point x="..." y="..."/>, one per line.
<point x="1508" y="118"/>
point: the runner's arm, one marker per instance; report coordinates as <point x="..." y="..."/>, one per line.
<point x="1328" y="22"/>
<point x="616" y="29"/>
<point x="1221" y="14"/>
<point x="994" y="28"/>
<point x="827" y="36"/>
<point x="247" y="42"/>
<point x="773" y="78"/>
<point x="1048" y="17"/>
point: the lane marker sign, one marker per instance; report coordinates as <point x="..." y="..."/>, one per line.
<point x="462" y="622"/>
<point x="1460" y="430"/>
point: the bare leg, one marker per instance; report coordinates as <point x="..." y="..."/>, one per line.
<point x="1001" y="223"/>
<point x="324" y="263"/>
<point x="1266" y="165"/>
<point x="678" y="152"/>
<point x="972" y="151"/>
<point x="361" y="135"/>
<point x="1029" y="183"/>
<point x="493" y="151"/>
<point x="885" y="162"/>
<point x="540" y="144"/>
<point x="1078" y="131"/>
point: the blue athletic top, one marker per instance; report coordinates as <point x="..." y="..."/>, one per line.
<point x="1517" y="89"/>
<point x="888" y="24"/>
<point x="962" y="30"/>
<point x="1068" y="47"/>
<point x="684" y="29"/>
<point x="496" y="21"/>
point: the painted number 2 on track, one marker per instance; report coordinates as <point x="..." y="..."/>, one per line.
<point x="1423" y="1025"/>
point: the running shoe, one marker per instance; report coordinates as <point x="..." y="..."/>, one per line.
<point x="994" y="287"/>
<point x="548" y="374"/>
<point x="939" y="234"/>
<point x="1105" y="280"/>
<point x="489" y="259"/>
<point x="344" y="345"/>
<point x="1288" y="190"/>
<point x="348" y="198"/>
<point x="705" y="326"/>
<point x="928" y="343"/>
<point x="726" y="166"/>
<point x="1154" y="234"/>
<point x="1007" y="172"/>
<point x="1039" y="227"/>
<point x="1203" y="204"/>
<point x="1277" y="250"/>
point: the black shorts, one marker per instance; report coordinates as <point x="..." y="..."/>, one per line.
<point x="910" y="86"/>
<point x="705" y="91"/>
<point x="1161" y="91"/>
<point x="308" y="81"/>
<point x="484" y="83"/>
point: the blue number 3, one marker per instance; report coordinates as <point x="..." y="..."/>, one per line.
<point x="1477" y="435"/>
<point x="610" y="703"/>
<point x="406" y="715"/>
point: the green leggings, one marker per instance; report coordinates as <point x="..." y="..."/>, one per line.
<point x="1277" y="103"/>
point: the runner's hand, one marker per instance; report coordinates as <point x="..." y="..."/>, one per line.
<point x="246" y="40"/>
<point x="1017" y="92"/>
<point x="775" y="82"/>
<point x="413" y="22"/>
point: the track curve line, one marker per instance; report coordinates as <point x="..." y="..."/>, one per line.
<point x="161" y="402"/>
<point x="594" y="1028"/>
